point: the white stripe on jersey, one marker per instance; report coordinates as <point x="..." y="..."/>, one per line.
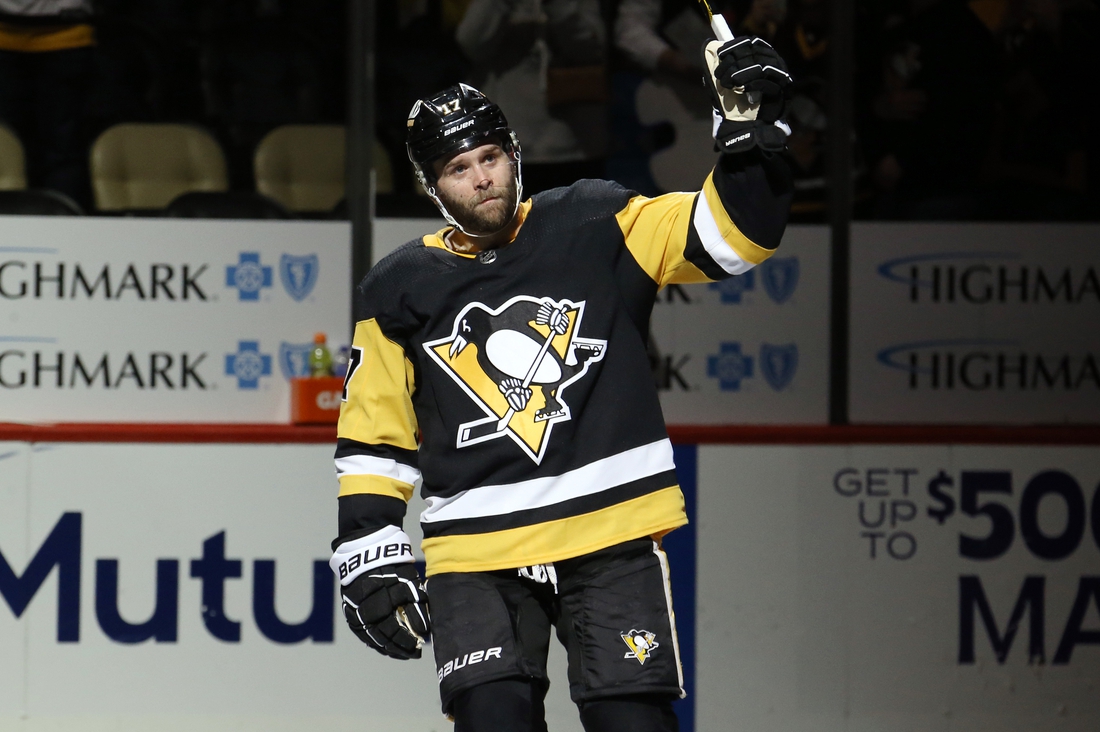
<point x="494" y="500"/>
<point x="707" y="229"/>
<point x="372" y="465"/>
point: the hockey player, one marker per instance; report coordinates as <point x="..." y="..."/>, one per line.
<point x="502" y="362"/>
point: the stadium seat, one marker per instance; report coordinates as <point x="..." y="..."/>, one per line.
<point x="302" y="167"/>
<point x="37" y="203"/>
<point x="13" y="172"/>
<point x="147" y="166"/>
<point x="230" y="205"/>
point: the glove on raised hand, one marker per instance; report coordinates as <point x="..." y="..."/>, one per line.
<point x="747" y="79"/>
<point x="384" y="602"/>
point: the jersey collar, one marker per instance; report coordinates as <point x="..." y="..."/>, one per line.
<point x="436" y="239"/>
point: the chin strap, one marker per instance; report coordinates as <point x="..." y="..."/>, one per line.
<point x="518" y="168"/>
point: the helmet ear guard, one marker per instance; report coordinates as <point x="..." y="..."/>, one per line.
<point x="453" y="121"/>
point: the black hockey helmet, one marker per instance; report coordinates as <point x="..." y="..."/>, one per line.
<point x="452" y="121"/>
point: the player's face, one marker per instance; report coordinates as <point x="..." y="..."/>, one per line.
<point x="478" y="187"/>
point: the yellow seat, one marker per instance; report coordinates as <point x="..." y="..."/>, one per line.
<point x="13" y="169"/>
<point x="303" y="167"/>
<point x="146" y="166"/>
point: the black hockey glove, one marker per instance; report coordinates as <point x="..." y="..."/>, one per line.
<point x="747" y="79"/>
<point x="384" y="601"/>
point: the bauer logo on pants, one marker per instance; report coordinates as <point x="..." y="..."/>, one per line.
<point x="515" y="363"/>
<point x="468" y="659"/>
<point x="641" y="643"/>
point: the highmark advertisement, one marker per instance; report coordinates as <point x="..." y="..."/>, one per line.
<point x="124" y="320"/>
<point x="137" y="320"/>
<point x="975" y="323"/>
<point x="752" y="349"/>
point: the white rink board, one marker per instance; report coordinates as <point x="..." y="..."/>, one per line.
<point x="141" y="503"/>
<point x="139" y="320"/>
<point x="798" y="627"/>
<point x="800" y="630"/>
<point x="752" y="349"/>
<point x="392" y="233"/>
<point x="975" y="323"/>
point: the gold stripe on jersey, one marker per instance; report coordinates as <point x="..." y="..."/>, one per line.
<point x="655" y="231"/>
<point x="738" y="242"/>
<point x="379" y="408"/>
<point x="437" y="240"/>
<point x="377" y="485"/>
<point x="552" y="541"/>
<point x="45" y="38"/>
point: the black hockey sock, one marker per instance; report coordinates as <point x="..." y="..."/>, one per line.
<point x="509" y="705"/>
<point x="629" y="714"/>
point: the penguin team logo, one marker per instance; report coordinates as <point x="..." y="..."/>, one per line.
<point x="515" y="363"/>
<point x="641" y="643"/>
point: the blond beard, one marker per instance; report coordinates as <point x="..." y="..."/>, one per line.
<point x="483" y="221"/>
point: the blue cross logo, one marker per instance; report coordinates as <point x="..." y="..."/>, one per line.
<point x="729" y="367"/>
<point x="247" y="365"/>
<point x="731" y="289"/>
<point x="248" y="276"/>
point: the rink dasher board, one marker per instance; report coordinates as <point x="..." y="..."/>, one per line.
<point x="974" y="323"/>
<point x="830" y="590"/>
<point x="845" y="588"/>
<point x="145" y="320"/>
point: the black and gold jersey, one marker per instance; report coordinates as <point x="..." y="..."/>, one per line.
<point x="515" y="383"/>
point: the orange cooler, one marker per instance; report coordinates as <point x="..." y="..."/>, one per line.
<point x="316" y="400"/>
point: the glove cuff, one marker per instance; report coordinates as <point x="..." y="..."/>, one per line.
<point x="388" y="545"/>
<point x="736" y="137"/>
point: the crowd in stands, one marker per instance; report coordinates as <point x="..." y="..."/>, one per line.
<point x="231" y="70"/>
<point x="980" y="109"/>
<point x="964" y="109"/>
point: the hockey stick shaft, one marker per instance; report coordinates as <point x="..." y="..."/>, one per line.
<point x="530" y="376"/>
<point x="538" y="359"/>
<point x="723" y="33"/>
<point x="718" y="24"/>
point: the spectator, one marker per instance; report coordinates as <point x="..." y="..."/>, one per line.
<point x="1039" y="163"/>
<point x="934" y="112"/>
<point x="667" y="35"/>
<point x="546" y="62"/>
<point x="660" y="104"/>
<point x="45" y="58"/>
<point x="800" y="35"/>
<point x="763" y="19"/>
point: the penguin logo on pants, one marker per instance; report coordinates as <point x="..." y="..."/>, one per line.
<point x="515" y="362"/>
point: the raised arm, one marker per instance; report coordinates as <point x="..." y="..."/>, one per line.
<point x="737" y="219"/>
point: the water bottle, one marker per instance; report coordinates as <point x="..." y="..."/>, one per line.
<point x="320" y="360"/>
<point x="340" y="362"/>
